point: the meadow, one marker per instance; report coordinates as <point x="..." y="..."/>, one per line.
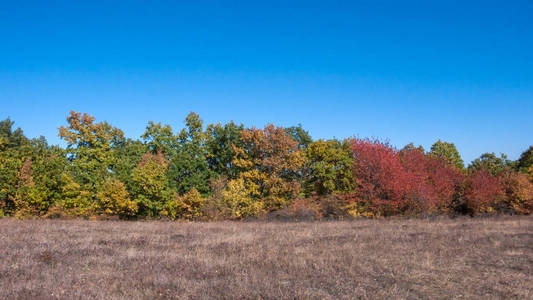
<point x="442" y="258"/>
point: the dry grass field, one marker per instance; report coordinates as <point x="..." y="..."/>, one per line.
<point x="409" y="259"/>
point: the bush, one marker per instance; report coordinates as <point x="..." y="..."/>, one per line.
<point x="189" y="206"/>
<point x="380" y="177"/>
<point x="115" y="200"/>
<point x="298" y="210"/>
<point x="483" y="192"/>
<point x="392" y="182"/>
<point x="75" y="199"/>
<point x="215" y="208"/>
<point x="519" y="192"/>
<point x="238" y="200"/>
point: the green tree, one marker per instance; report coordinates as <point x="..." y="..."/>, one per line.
<point x="448" y="152"/>
<point x="9" y="138"/>
<point x="525" y="161"/>
<point x="189" y="166"/>
<point x="160" y="138"/>
<point x="300" y="135"/>
<point x="91" y="149"/>
<point x="14" y="150"/>
<point x="128" y="154"/>
<point x="149" y="185"/>
<point x="10" y="164"/>
<point x="40" y="183"/>
<point x="220" y="141"/>
<point x="489" y="161"/>
<point x="331" y="167"/>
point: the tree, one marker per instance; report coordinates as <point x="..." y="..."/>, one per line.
<point x="26" y="195"/>
<point x="411" y="146"/>
<point x="150" y="187"/>
<point x="299" y="135"/>
<point x="448" y="152"/>
<point x="159" y="138"/>
<point x="489" y="161"/>
<point x="128" y="155"/>
<point x="10" y="164"/>
<point x="330" y="167"/>
<point x="91" y="149"/>
<point x="526" y="160"/>
<point x="270" y="164"/>
<point x="189" y="167"/>
<point x="220" y="141"/>
<point x="40" y="184"/>
<point x="14" y="150"/>
<point x="10" y="138"/>
<point x="531" y="172"/>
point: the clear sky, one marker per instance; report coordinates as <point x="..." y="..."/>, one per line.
<point x="406" y="71"/>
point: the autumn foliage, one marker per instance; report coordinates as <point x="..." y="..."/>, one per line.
<point x="232" y="172"/>
<point x="392" y="182"/>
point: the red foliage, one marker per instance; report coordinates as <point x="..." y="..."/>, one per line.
<point x="396" y="182"/>
<point x="380" y="176"/>
<point x="433" y="182"/>
<point x="483" y="190"/>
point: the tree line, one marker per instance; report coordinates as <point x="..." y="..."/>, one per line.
<point x="227" y="171"/>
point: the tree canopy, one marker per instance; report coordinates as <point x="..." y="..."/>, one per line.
<point x="229" y="171"/>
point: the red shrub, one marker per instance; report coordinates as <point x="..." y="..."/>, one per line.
<point x="380" y="177"/>
<point x="483" y="191"/>
<point x="432" y="181"/>
<point x="408" y="181"/>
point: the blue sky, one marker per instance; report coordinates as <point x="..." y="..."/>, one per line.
<point x="406" y="71"/>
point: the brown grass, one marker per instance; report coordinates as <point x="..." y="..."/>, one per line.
<point x="462" y="258"/>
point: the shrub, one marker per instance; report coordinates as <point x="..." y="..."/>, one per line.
<point x="432" y="182"/>
<point x="75" y="199"/>
<point x="189" y="206"/>
<point x="382" y="184"/>
<point x="519" y="192"/>
<point x="299" y="210"/>
<point x="115" y="200"/>
<point x="330" y="166"/>
<point x="238" y="200"/>
<point x="483" y="191"/>
<point x="215" y="208"/>
<point x="392" y="182"/>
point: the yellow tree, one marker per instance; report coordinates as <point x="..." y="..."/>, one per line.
<point x="115" y="200"/>
<point x="270" y="164"/>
